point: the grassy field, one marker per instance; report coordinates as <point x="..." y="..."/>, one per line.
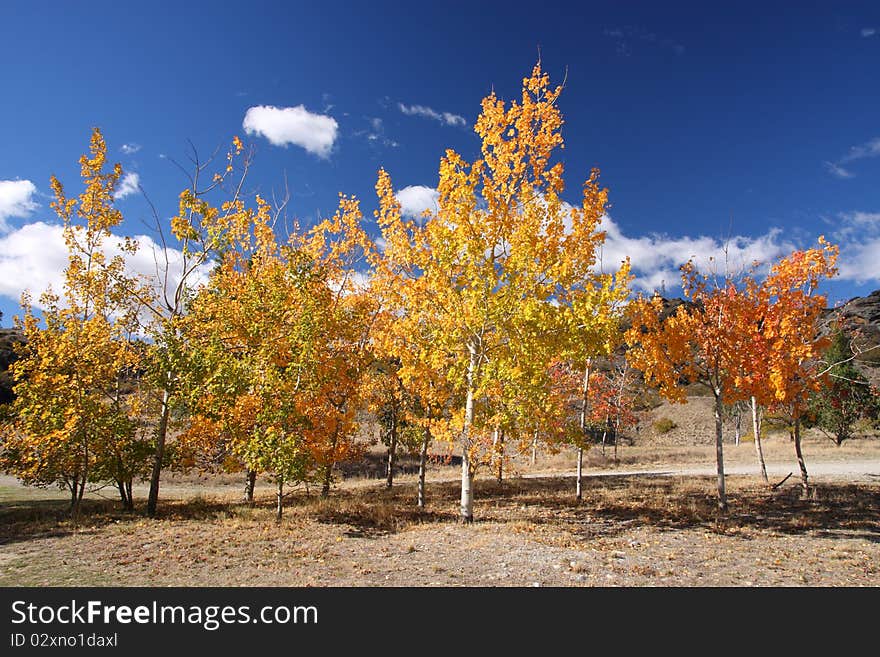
<point x="630" y="530"/>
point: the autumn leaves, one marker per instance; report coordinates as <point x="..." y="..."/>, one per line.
<point x="477" y="324"/>
<point x="742" y="338"/>
<point x="500" y="282"/>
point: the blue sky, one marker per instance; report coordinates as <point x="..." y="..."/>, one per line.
<point x="757" y="121"/>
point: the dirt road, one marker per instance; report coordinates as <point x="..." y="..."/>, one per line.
<point x="862" y="470"/>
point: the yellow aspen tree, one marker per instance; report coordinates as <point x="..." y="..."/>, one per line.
<point x="408" y="338"/>
<point x="71" y="424"/>
<point x="199" y="231"/>
<point x="592" y="316"/>
<point x="487" y="267"/>
<point x="396" y="409"/>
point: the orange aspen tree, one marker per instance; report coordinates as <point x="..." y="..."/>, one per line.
<point x="611" y="404"/>
<point x="701" y="342"/>
<point x="340" y="246"/>
<point x="253" y="335"/>
<point x="486" y="268"/>
<point x="789" y="339"/>
<point x="275" y="345"/>
<point x="751" y="374"/>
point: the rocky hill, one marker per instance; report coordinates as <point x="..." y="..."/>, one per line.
<point x="860" y="318"/>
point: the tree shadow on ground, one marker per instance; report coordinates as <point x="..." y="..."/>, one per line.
<point x="38" y="519"/>
<point x="613" y="503"/>
<point x="35" y="519"/>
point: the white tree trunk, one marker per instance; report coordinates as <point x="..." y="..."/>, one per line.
<point x="498" y="445"/>
<point x="392" y="453"/>
<point x="249" y="485"/>
<point x="423" y="464"/>
<point x="620" y="392"/>
<point x="719" y="453"/>
<point x="584" y="400"/>
<point x="279" y="499"/>
<point x="161" y="434"/>
<point x="467" y="471"/>
<point x="756" y="427"/>
<point x="796" y="436"/>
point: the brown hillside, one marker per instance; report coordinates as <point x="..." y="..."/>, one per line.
<point x="8" y="340"/>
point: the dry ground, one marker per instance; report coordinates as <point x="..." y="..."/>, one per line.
<point x="630" y="530"/>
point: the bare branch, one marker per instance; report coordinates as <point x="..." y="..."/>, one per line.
<point x="777" y="485"/>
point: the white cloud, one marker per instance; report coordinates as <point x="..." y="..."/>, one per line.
<point x="860" y="261"/>
<point x="868" y="149"/>
<point x="415" y="199"/>
<point x="34" y="258"/>
<point x="354" y="282"/>
<point x="376" y="134"/>
<point x="293" y="125"/>
<point x="851" y="224"/>
<point x="16" y="200"/>
<point x="127" y="186"/>
<point x="627" y="35"/>
<point x="446" y="118"/>
<point x="656" y="258"/>
<point x="838" y="171"/>
<point x="868" y="31"/>
<point x="130" y="149"/>
<point x="858" y="234"/>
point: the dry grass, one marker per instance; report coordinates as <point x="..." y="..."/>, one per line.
<point x="629" y="530"/>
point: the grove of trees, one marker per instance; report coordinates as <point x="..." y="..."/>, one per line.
<point x="479" y="324"/>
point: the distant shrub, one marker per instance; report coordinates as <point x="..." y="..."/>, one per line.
<point x="664" y="425"/>
<point x="750" y="436"/>
<point x="647" y="400"/>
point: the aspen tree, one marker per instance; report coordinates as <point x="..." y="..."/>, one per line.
<point x="486" y="270"/>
